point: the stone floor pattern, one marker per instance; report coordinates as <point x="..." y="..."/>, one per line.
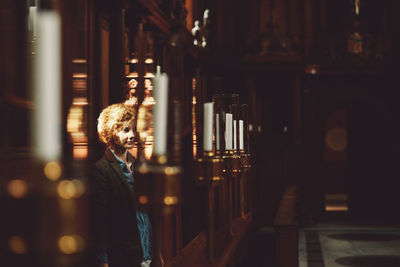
<point x="335" y="245"/>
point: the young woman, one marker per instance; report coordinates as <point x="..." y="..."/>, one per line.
<point x="122" y="234"/>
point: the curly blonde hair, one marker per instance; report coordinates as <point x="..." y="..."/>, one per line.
<point x="112" y="119"/>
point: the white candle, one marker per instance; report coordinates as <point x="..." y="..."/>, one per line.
<point x="47" y="87"/>
<point x="234" y="135"/>
<point x="228" y="131"/>
<point x="208" y="127"/>
<point x="241" y="135"/>
<point x="160" y="109"/>
<point x="32" y="20"/>
<point x="217" y="146"/>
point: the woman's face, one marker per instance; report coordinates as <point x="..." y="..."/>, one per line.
<point x="126" y="136"/>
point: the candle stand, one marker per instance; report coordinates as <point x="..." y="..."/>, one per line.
<point x="246" y="165"/>
<point x="158" y="191"/>
<point x="232" y="172"/>
<point x="209" y="173"/>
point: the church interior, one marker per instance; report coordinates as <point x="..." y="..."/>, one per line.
<point x="267" y="130"/>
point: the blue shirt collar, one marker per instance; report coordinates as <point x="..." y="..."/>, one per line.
<point x="129" y="156"/>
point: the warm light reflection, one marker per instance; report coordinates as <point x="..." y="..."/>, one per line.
<point x="149" y="75"/>
<point x="143" y="169"/>
<point x="133" y="60"/>
<point x="79" y="84"/>
<point x="336" y="139"/>
<point x="143" y="200"/>
<point x="70" y="244"/>
<point x="80" y="101"/>
<point x="171" y="170"/>
<point x="336" y="202"/>
<point x="311" y="69"/>
<point x="132" y="83"/>
<point x="170" y="200"/>
<point x="80" y="152"/>
<point x="74" y="120"/>
<point x="251" y="127"/>
<point x="76" y="128"/>
<point x="148" y="61"/>
<point x="79" y="60"/>
<point x="148" y="84"/>
<point x="132" y="75"/>
<point x="162" y="159"/>
<point x="70" y="189"/>
<point x="145" y="129"/>
<point x="336" y="208"/>
<point x="148" y="149"/>
<point x="79" y="75"/>
<point x="134" y="151"/>
<point x="357" y="7"/>
<point x="79" y="187"/>
<point x="17" y="245"/>
<point x="132" y="101"/>
<point x="194" y="143"/>
<point x="53" y="170"/>
<point x="17" y="188"/>
<point x="194" y="125"/>
<point x="148" y="99"/>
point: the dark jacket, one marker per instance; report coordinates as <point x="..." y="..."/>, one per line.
<point x="114" y="214"/>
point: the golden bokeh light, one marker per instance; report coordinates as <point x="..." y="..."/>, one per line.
<point x="79" y="187"/>
<point x="66" y="189"/>
<point x="143" y="200"/>
<point x="143" y="169"/>
<point x="69" y="244"/>
<point x="70" y="189"/>
<point x="171" y="170"/>
<point x="133" y="60"/>
<point x="53" y="170"/>
<point x="17" y="245"/>
<point x="336" y="139"/>
<point x="170" y="200"/>
<point x="17" y="188"/>
<point x="148" y="61"/>
<point x="162" y="159"/>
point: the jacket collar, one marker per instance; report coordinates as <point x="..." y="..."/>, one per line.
<point x="110" y="156"/>
<point x="116" y="166"/>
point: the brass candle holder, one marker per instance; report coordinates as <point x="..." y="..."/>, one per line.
<point x="245" y="160"/>
<point x="232" y="172"/>
<point x="158" y="191"/>
<point x="246" y="165"/>
<point x="209" y="170"/>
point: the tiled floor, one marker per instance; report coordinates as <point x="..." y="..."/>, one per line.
<point x="341" y="244"/>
